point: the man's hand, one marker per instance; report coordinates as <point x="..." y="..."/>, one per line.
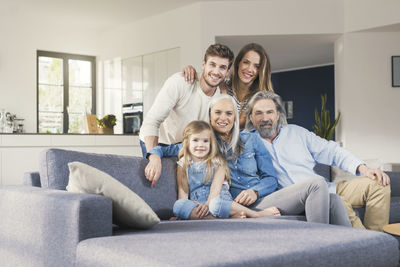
<point x="246" y="197"/>
<point x="375" y="174"/>
<point x="153" y="169"/>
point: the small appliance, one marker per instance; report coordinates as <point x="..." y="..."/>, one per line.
<point x="132" y="118"/>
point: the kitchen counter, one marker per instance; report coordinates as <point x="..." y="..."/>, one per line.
<point x="63" y="134"/>
<point x="19" y="153"/>
<point x="44" y="140"/>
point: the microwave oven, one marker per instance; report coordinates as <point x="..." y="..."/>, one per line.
<point x="132" y="118"/>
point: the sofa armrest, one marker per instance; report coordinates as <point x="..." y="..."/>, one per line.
<point x="42" y="227"/>
<point x="394" y="183"/>
<point x="32" y="179"/>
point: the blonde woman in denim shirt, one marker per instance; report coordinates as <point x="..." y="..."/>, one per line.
<point x="252" y="174"/>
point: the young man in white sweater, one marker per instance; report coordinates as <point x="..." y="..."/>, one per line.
<point x="180" y="102"/>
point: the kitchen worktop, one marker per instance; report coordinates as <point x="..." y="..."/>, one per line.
<point x="19" y="153"/>
<point x="56" y="140"/>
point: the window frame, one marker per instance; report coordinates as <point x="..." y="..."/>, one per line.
<point x="65" y="57"/>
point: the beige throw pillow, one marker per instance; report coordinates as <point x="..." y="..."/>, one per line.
<point x="128" y="208"/>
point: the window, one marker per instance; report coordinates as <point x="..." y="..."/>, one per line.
<point x="66" y="91"/>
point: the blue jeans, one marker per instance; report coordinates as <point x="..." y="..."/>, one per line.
<point x="143" y="147"/>
<point x="220" y="206"/>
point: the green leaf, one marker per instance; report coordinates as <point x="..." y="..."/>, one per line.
<point x="323" y="126"/>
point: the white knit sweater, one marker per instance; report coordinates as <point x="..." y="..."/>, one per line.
<point x="177" y="104"/>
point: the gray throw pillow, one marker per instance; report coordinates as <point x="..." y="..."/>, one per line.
<point x="128" y="208"/>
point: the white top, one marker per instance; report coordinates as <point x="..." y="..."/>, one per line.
<point x="177" y="104"/>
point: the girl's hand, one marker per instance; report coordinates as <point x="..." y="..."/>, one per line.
<point x="153" y="169"/>
<point x="201" y="210"/>
<point x="189" y="73"/>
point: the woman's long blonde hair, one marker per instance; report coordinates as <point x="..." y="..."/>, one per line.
<point x="213" y="157"/>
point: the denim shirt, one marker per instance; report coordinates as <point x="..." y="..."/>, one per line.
<point x="253" y="169"/>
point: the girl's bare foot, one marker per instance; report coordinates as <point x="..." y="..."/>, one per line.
<point x="272" y="211"/>
<point x="240" y="215"/>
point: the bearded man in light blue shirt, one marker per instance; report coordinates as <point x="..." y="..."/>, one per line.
<point x="296" y="151"/>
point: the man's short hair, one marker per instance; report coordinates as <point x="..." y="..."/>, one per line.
<point x="219" y="50"/>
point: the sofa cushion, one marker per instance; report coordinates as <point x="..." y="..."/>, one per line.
<point x="394" y="210"/>
<point x="338" y="175"/>
<point x="323" y="170"/>
<point x="128" y="208"/>
<point x="241" y="242"/>
<point x="129" y="170"/>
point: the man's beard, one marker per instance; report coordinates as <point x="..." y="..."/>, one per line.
<point x="267" y="132"/>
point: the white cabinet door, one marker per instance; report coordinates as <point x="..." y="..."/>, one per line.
<point x="148" y="82"/>
<point x="173" y="61"/>
<point x="157" y="67"/>
<point x="136" y="80"/>
<point x="112" y="91"/>
<point x="132" y="80"/>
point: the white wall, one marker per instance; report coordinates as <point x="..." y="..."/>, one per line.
<point x="271" y="17"/>
<point x="22" y="32"/>
<point x="176" y="28"/>
<point x="364" y="14"/>
<point x="370" y="123"/>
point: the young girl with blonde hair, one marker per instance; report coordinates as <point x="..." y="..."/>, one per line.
<point x="203" y="179"/>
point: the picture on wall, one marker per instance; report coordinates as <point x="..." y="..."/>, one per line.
<point x="395" y="71"/>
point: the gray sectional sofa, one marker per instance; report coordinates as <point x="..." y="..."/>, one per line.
<point x="43" y="225"/>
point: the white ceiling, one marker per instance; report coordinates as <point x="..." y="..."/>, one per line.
<point x="289" y="51"/>
<point x="285" y="51"/>
<point x="94" y="14"/>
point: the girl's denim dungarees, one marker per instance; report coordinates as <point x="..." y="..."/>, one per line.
<point x="219" y="206"/>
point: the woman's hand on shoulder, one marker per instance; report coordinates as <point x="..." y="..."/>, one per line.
<point x="189" y="73"/>
<point x="153" y="169"/>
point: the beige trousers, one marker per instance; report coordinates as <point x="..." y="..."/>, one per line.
<point x="365" y="192"/>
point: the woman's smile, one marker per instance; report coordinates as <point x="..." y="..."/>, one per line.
<point x="222" y="117"/>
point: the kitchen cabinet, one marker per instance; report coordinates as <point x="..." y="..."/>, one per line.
<point x="133" y="80"/>
<point x="110" y="95"/>
<point x="19" y="153"/>
<point x="143" y="76"/>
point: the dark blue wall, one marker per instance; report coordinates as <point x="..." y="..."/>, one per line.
<point x="304" y="87"/>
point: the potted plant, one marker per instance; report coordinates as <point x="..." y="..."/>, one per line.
<point x="106" y="124"/>
<point x="323" y="126"/>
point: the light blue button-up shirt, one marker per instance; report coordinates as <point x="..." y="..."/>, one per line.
<point x="295" y="152"/>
